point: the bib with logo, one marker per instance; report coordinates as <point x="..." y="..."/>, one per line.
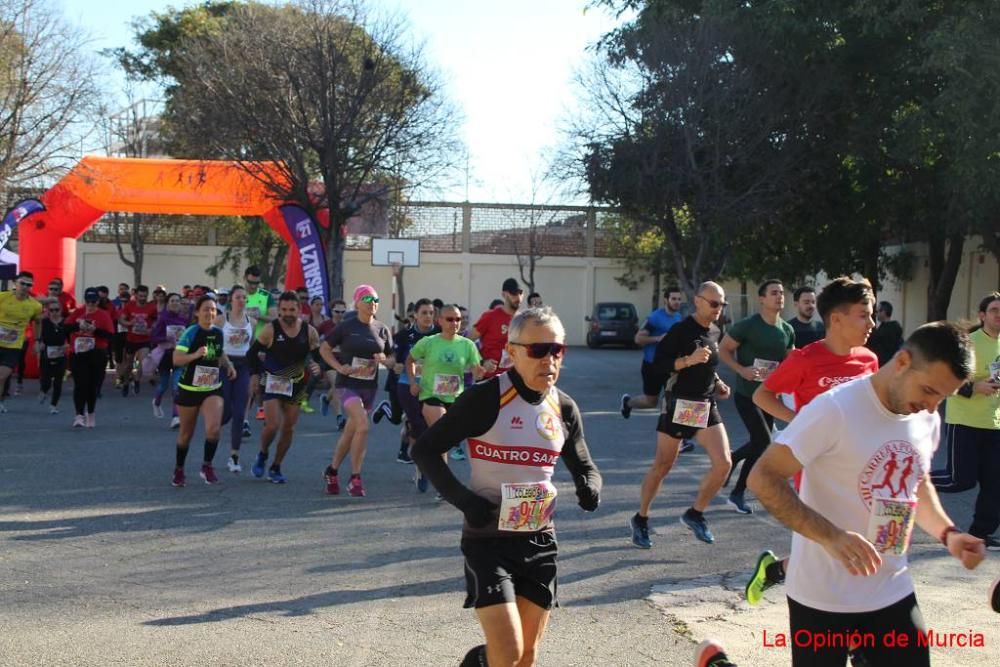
<point x="275" y="384"/>
<point x="9" y="335"/>
<point x="237" y="338"/>
<point x="174" y="331"/>
<point x="83" y="344"/>
<point x="55" y="351"/>
<point x="139" y="325"/>
<point x="447" y="385"/>
<point x="691" y="413"/>
<point x="205" y="376"/>
<point x="764" y="367"/>
<point x="526" y="506"/>
<point x="368" y="368"/>
<point x="890" y="524"/>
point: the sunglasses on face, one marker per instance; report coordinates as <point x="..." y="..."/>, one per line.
<point x="55" y="310"/>
<point x="713" y="303"/>
<point x="542" y="350"/>
<point x="24" y="284"/>
<point x="452" y="319"/>
<point x="53" y="288"/>
<point x="369" y="299"/>
<point x="253" y="282"/>
<point x="339" y="312"/>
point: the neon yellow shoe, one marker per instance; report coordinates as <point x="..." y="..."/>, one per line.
<point x="306" y="408"/>
<point x="758" y="582"/>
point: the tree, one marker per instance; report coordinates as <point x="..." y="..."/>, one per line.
<point x="47" y="90"/>
<point x="250" y="242"/>
<point x="642" y="250"/>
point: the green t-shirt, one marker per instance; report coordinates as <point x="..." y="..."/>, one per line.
<point x="258" y="304"/>
<point x="444" y="365"/>
<point x="762" y="345"/>
<point x="979" y="410"/>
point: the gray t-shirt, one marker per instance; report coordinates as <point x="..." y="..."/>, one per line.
<point x="359" y="343"/>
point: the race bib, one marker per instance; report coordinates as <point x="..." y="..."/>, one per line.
<point x="83" y="344"/>
<point x="238" y="338"/>
<point x="55" y="351"/>
<point x="995" y="371"/>
<point x="254" y="312"/>
<point x="120" y="328"/>
<point x="526" y="507"/>
<point x="890" y="524"/>
<point x="691" y="413"/>
<point x="369" y="368"/>
<point x="275" y="384"/>
<point x="9" y="335"/>
<point x="764" y="367"/>
<point x="205" y="376"/>
<point x="174" y="331"/>
<point x="447" y="385"/>
<point x="139" y="325"/>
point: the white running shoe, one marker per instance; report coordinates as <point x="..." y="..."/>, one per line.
<point x="3" y="408"/>
<point x="91" y="420"/>
<point x="41" y="397"/>
<point x="175" y="422"/>
<point x="79" y="421"/>
<point x="234" y="467"/>
<point x="53" y="410"/>
<point x="157" y="410"/>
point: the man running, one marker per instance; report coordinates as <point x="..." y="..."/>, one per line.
<point x="262" y="308"/>
<point x="807" y="330"/>
<point x="688" y="357"/>
<point x="423" y="326"/>
<point x="846" y="308"/>
<point x="338" y="307"/>
<point x="518" y="425"/>
<point x="491" y="327"/>
<point x="17" y="310"/>
<point x="848" y="568"/>
<point x="287" y="343"/>
<point x="888" y="334"/>
<point x="651" y="332"/>
<point x="138" y="318"/>
<point x="753" y="348"/>
<point x="972" y="429"/>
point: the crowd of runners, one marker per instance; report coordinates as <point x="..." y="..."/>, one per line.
<point x="849" y="474"/>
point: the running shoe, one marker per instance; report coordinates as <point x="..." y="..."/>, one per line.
<point x="355" y="487"/>
<point x="992" y="543"/>
<point x="422" y="482"/>
<point x="233" y="463"/>
<point x="341" y="422"/>
<point x="258" y="467"/>
<point x="79" y="421"/>
<point x="687" y="446"/>
<point x="135" y="388"/>
<point x="709" y="653"/>
<point x="699" y="527"/>
<point x="640" y="533"/>
<point x="457" y="454"/>
<point x="124" y="386"/>
<point x="332" y="483"/>
<point x="18" y="388"/>
<point x="758" y="580"/>
<point x="626" y="409"/>
<point x="274" y="475"/>
<point x="3" y="407"/>
<point x="91" y="420"/>
<point x="157" y="410"/>
<point x="175" y="422"/>
<point x="383" y="409"/>
<point x="208" y="474"/>
<point x="737" y="502"/>
<point x="246" y="429"/>
<point x="260" y="414"/>
<point x="178" y="477"/>
<point x="53" y="410"/>
<point x="41" y="397"/>
<point x="404" y="454"/>
<point x="306" y="408"/>
<point x="324" y="405"/>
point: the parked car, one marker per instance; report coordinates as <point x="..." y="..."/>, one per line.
<point x="612" y="323"/>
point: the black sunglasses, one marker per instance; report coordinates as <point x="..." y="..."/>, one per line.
<point x="713" y="303"/>
<point x="542" y="350"/>
<point x="55" y="310"/>
<point x="24" y="284"/>
<point x="452" y="319"/>
<point x="339" y="312"/>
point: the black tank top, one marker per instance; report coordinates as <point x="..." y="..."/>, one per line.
<point x="287" y="355"/>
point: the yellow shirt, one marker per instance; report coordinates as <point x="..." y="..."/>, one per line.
<point x="14" y="317"/>
<point x="980" y="410"/>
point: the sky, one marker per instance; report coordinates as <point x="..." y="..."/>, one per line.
<point x="507" y="65"/>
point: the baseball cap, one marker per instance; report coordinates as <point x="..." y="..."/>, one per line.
<point x="90" y="294"/>
<point x="511" y="286"/>
<point x="222" y="290"/>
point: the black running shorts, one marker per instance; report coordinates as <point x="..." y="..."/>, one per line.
<point x="667" y="426"/>
<point x="500" y="569"/>
<point x="193" y="399"/>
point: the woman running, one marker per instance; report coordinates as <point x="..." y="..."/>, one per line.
<point x="168" y="329"/>
<point x="52" y="349"/>
<point x="199" y="354"/>
<point x="92" y="330"/>
<point x="363" y="344"/>
<point x="237" y="335"/>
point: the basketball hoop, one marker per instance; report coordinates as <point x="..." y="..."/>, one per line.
<point x="396" y="268"/>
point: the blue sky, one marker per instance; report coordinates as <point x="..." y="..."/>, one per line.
<point x="508" y="66"/>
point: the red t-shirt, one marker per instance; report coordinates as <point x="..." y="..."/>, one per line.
<point x="143" y="318"/>
<point x="67" y="303"/>
<point x="100" y="319"/>
<point x="808" y="372"/>
<point x="325" y="327"/>
<point x="492" y="327"/>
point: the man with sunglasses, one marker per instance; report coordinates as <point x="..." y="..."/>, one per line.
<point x="52" y="348"/>
<point x="688" y="356"/>
<point x="17" y="309"/>
<point x="491" y="327"/>
<point x="518" y="425"/>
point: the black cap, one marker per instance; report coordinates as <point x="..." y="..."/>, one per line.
<point x="91" y="295"/>
<point x="511" y="286"/>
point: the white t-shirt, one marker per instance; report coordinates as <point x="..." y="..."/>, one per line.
<point x="854" y="451"/>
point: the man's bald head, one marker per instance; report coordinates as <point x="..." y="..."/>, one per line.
<point x="709" y="293"/>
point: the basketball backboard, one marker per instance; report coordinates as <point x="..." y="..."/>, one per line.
<point x="386" y="252"/>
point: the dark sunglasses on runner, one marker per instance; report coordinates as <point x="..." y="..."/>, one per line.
<point x="369" y="299"/>
<point x="55" y="310"/>
<point x="339" y="312"/>
<point x="542" y="350"/>
<point x="25" y="284"/>
<point x="452" y="319"/>
<point x="713" y="303"/>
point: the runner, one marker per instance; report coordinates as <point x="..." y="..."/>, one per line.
<point x="138" y="317"/>
<point x="807" y="330"/>
<point x="753" y="348"/>
<point x="888" y="334"/>
<point x="337" y="309"/>
<point x="166" y="332"/>
<point x="17" y="310"/>
<point x="52" y="347"/>
<point x="688" y="356"/>
<point x="508" y="542"/>
<point x="92" y="330"/>
<point x="363" y="344"/>
<point x="118" y="342"/>
<point x="237" y="336"/>
<point x="200" y="356"/>
<point x="652" y="331"/>
<point x="848" y="568"/>
<point x="404" y="341"/>
<point x="262" y="307"/>
<point x="491" y="327"/>
<point x="972" y="429"/>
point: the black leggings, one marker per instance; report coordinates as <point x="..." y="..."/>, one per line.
<point x="822" y="638"/>
<point x="759" y="425"/>
<point x="88" y="373"/>
<point x="51" y="376"/>
<point x="973" y="458"/>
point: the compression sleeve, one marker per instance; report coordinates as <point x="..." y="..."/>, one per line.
<point x="575" y="454"/>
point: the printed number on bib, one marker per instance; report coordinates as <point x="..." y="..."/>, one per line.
<point x="55" y="351"/>
<point x="238" y="338"/>
<point x="890" y="524"/>
<point x="526" y="507"/>
<point x="83" y="344"/>
<point x="278" y="385"/>
<point x="368" y="368"/>
<point x="995" y="371"/>
<point x="139" y="326"/>
<point x="174" y="331"/>
<point x="691" y="413"/>
<point x="447" y="385"/>
<point x="8" y="335"/>
<point x="764" y="367"/>
<point x="205" y="376"/>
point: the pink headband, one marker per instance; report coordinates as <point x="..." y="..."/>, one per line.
<point x="363" y="291"/>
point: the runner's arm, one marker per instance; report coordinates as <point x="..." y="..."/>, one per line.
<point x="576" y="456"/>
<point x="768" y="401"/>
<point x="643" y="337"/>
<point x="934" y="521"/>
<point x="727" y="353"/>
<point x="474" y="334"/>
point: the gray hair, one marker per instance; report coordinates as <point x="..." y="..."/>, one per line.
<point x="541" y="316"/>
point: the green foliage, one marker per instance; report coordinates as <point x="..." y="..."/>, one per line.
<point x="250" y="241"/>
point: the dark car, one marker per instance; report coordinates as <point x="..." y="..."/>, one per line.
<point x="612" y="323"/>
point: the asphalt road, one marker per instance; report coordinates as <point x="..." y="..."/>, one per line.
<point x="102" y="562"/>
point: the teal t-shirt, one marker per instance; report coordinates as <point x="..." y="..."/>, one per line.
<point x="762" y="345"/>
<point x="444" y="365"/>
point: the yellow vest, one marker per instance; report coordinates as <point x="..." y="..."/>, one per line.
<point x="979" y="411"/>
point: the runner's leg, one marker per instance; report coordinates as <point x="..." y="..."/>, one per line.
<point x="666" y="455"/>
<point x="289" y="417"/>
<point x="716" y="444"/>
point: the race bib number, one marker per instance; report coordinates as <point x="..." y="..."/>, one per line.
<point x="55" y="351"/>
<point x="83" y="344"/>
<point x="238" y="338"/>
<point x="890" y="524"/>
<point x="174" y="332"/>
<point x="140" y="326"/>
<point x="995" y="371"/>
<point x="205" y="376"/>
<point x="526" y="507"/>
<point x="368" y="368"/>
<point x="9" y="335"/>
<point x="254" y="312"/>
<point x="764" y="367"/>
<point x="280" y="386"/>
<point x="447" y="385"/>
<point x="691" y="413"/>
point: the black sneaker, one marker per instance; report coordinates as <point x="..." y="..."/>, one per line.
<point x="246" y="429"/>
<point x="699" y="527"/>
<point x="381" y="410"/>
<point x="341" y="422"/>
<point x="626" y="409"/>
<point x="640" y="533"/>
<point x="687" y="446"/>
<point x="992" y="543"/>
<point x="135" y="388"/>
<point x="403" y="456"/>
<point x="739" y="504"/>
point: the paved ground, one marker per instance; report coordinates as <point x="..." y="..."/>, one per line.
<point x="103" y="563"/>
